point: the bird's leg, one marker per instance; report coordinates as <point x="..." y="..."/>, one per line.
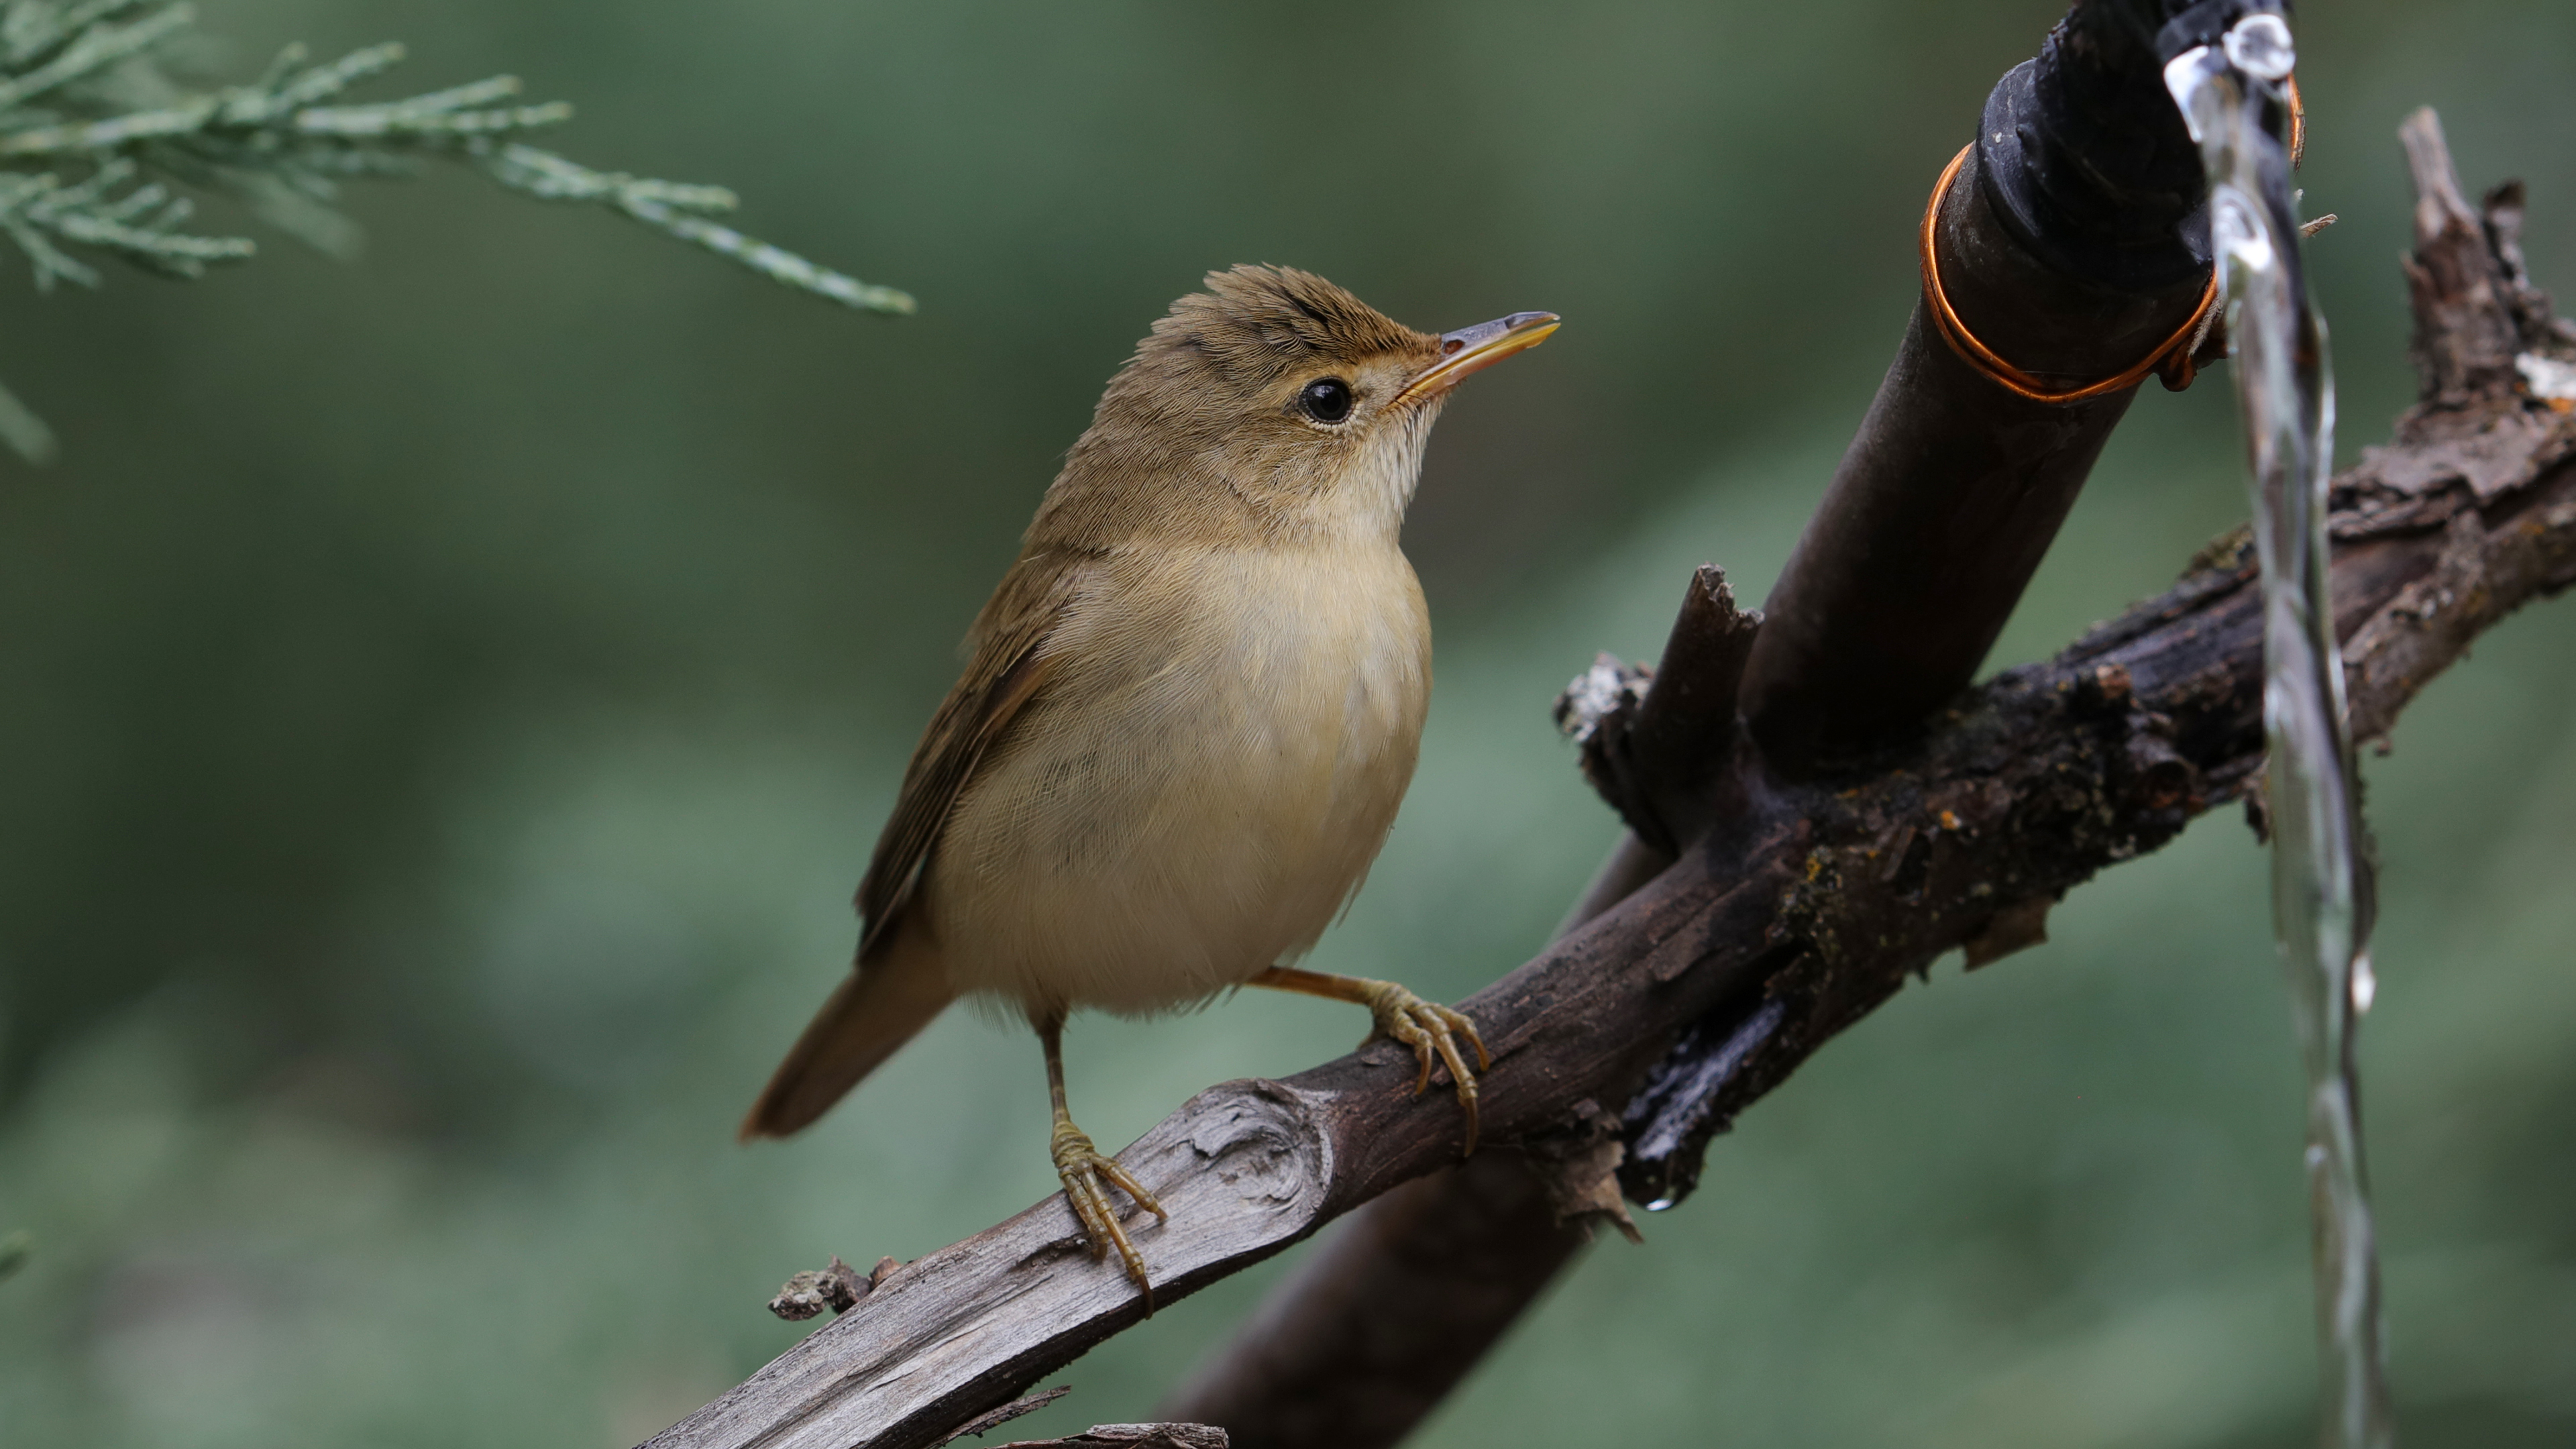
<point x="1426" y="1026"/>
<point x="1088" y="1173"/>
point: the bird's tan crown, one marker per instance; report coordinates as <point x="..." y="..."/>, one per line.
<point x="1260" y="322"/>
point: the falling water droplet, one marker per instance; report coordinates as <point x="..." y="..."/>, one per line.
<point x="1659" y="1204"/>
<point x="2320" y="901"/>
<point x="2365" y="984"/>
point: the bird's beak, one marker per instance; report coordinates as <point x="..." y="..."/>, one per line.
<point x="1473" y="349"/>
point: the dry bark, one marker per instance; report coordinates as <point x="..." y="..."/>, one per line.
<point x="1135" y="1436"/>
<point x="1807" y="903"/>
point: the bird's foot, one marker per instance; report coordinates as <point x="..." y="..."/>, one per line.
<point x="1432" y="1030"/>
<point x="1088" y="1175"/>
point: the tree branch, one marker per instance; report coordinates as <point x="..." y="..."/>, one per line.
<point x="1809" y="905"/>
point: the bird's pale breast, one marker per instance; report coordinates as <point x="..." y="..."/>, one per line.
<point x="1200" y="786"/>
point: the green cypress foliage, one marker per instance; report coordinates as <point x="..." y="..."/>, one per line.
<point x="101" y="148"/>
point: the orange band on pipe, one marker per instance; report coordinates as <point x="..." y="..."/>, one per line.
<point x="2174" y="350"/>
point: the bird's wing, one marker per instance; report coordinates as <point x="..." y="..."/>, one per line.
<point x="1008" y="667"/>
<point x="898" y="983"/>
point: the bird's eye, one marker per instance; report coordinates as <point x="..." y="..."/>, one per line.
<point x="1326" y="399"/>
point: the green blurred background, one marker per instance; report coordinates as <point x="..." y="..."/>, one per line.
<point x="448" y="699"/>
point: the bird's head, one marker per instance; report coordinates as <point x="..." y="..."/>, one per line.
<point x="1272" y="405"/>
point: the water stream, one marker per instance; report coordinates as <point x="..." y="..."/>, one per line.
<point x="2234" y="98"/>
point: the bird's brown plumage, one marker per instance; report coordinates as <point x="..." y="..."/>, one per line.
<point x="1156" y="557"/>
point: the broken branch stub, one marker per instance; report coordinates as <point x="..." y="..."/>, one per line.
<point x="1655" y="742"/>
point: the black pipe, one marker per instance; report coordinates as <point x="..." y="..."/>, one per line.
<point x="2072" y="243"/>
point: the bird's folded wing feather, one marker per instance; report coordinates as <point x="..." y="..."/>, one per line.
<point x="1008" y="666"/>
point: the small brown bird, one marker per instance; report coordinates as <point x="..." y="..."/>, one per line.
<point x="1191" y="709"/>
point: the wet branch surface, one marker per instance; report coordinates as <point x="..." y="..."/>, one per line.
<point x="1805" y="906"/>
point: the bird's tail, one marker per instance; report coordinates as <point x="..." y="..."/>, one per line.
<point x="886" y="1000"/>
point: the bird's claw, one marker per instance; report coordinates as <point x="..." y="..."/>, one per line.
<point x="1432" y="1030"/>
<point x="1088" y="1174"/>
